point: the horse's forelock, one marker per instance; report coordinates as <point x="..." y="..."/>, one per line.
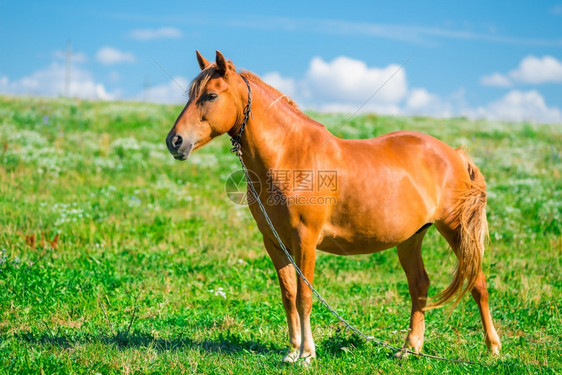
<point x="199" y="82"/>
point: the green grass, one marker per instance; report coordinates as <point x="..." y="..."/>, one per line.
<point x="145" y="243"/>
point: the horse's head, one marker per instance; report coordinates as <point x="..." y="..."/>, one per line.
<point x="217" y="97"/>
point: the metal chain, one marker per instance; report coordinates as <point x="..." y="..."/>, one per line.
<point x="237" y="149"/>
<point x="236" y="144"/>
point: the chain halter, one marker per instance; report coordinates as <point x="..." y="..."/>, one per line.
<point x="236" y="140"/>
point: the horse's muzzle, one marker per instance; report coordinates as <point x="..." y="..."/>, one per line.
<point x="178" y="146"/>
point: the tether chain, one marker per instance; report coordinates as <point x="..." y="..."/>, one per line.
<point x="237" y="149"/>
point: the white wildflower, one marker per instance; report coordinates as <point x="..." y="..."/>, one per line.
<point x="218" y="292"/>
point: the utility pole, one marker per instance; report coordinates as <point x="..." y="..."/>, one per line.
<point x="67" y="70"/>
<point x="147" y="86"/>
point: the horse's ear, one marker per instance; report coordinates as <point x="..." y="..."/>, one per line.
<point x="203" y="62"/>
<point x="222" y="65"/>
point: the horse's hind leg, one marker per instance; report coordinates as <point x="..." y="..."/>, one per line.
<point x="409" y="254"/>
<point x="479" y="293"/>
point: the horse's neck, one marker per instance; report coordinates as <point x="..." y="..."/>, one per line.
<point x="275" y="132"/>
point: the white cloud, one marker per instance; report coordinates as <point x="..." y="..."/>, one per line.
<point x="350" y="81"/>
<point x="531" y="69"/>
<point x="514" y="106"/>
<point x="519" y="106"/>
<point x="285" y="85"/>
<point x="495" y="79"/>
<point x="51" y="81"/>
<point x="110" y="56"/>
<point x="168" y="93"/>
<point x="161" y="33"/>
<point x="419" y="98"/>
<point x="538" y="70"/>
<point x="344" y="85"/>
<point x="422" y="102"/>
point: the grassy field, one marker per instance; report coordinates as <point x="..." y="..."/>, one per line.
<point x="154" y="270"/>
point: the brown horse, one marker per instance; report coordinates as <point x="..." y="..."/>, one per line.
<point x="342" y="196"/>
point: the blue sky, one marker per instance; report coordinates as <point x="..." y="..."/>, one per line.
<point x="500" y="60"/>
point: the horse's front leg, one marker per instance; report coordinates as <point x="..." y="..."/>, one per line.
<point x="287" y="283"/>
<point x="305" y="255"/>
<point x="409" y="254"/>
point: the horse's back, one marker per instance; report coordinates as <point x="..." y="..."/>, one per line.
<point x="402" y="141"/>
<point x="419" y="155"/>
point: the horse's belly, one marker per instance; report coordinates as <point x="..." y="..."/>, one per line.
<point x="350" y="246"/>
<point x="367" y="223"/>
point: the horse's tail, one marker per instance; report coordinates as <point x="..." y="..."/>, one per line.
<point x="469" y="215"/>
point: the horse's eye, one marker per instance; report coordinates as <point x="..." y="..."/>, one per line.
<point x="210" y="97"/>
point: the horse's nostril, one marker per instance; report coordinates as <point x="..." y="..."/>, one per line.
<point x="177" y="141"/>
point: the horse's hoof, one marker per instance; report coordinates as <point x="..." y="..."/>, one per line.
<point x="401" y="355"/>
<point x="291" y="357"/>
<point x="307" y="360"/>
<point x="493" y="344"/>
<point x="495" y="350"/>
